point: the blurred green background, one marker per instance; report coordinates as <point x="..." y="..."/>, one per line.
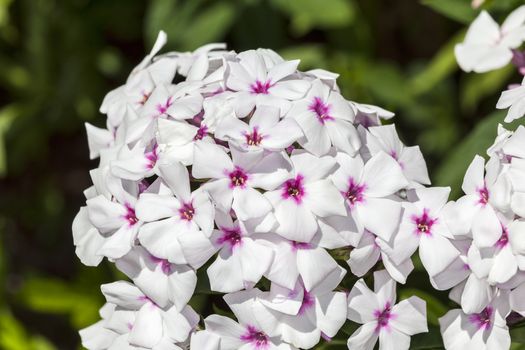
<point x="59" y="57"/>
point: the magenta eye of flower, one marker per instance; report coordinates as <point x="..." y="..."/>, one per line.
<point x="130" y="215"/>
<point x="145" y="97"/>
<point x="483" y="195"/>
<point x="238" y="177"/>
<point x="383" y="317"/>
<point x="201" y="132"/>
<point x="187" y="212"/>
<point x="355" y="192"/>
<point x="163" y="108"/>
<point x="424" y="223"/>
<point x="294" y="189"/>
<point x="232" y="236"/>
<point x="152" y="157"/>
<point x="307" y="303"/>
<point x="260" y="87"/>
<point x="254" y="138"/>
<point x="255" y="337"/>
<point x="504" y="238"/>
<point x="321" y="109"/>
<point x="482" y="320"/>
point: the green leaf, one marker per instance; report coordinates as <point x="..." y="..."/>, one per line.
<point x="7" y="116"/>
<point x="427" y="341"/>
<point x="435" y="308"/>
<point x="209" y="25"/>
<point x="478" y="86"/>
<point x="13" y="336"/>
<point x="518" y="335"/>
<point x="451" y="171"/>
<point x="309" y="14"/>
<point x="57" y="297"/>
<point x="312" y="56"/>
<point x="458" y="10"/>
<point x="442" y="65"/>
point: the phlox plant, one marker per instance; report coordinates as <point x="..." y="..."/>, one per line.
<point x="242" y="174"/>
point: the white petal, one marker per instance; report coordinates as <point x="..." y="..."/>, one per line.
<point x="411" y="316"/>
<point x="436" y="253"/>
<point x="383" y="176"/>
<point x="322" y="198"/>
<point x="314" y="265"/>
<point x="224" y="274"/>
<point x="364" y="338"/>
<point x="380" y="216"/>
<point x="476" y="295"/>
<point x="296" y="222"/>
<point x="210" y="161"/>
<point x="249" y="203"/>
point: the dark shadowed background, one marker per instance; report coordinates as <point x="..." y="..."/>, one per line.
<point x="58" y="58"/>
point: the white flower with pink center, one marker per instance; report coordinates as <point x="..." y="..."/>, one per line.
<point x="366" y="189"/>
<point x="497" y="261"/>
<point x="139" y="86"/>
<point x="410" y="159"/>
<point x="113" y="214"/>
<point x="487" y="46"/>
<point x="132" y="321"/>
<point x="264" y="130"/>
<point x="326" y="120"/>
<point x="473" y="293"/>
<point x="136" y="163"/>
<point x="368" y="253"/>
<point x="381" y="317"/>
<point x="484" y="330"/>
<point x="257" y="81"/>
<point x="423" y="226"/>
<point x="293" y="260"/>
<point x="241" y="261"/>
<point x="475" y="213"/>
<point x="302" y="317"/>
<point x="178" y="103"/>
<point x="247" y="334"/>
<point x="233" y="182"/>
<point x="173" y="214"/>
<point x="163" y="282"/>
<point x="305" y="197"/>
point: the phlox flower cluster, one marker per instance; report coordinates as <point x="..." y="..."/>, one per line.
<point x="259" y="182"/>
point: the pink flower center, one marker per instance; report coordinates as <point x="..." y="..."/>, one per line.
<point x="130" y="215"/>
<point x="483" y="319"/>
<point x="483" y="194"/>
<point x="163" y="108"/>
<point x="504" y="238"/>
<point x="308" y="302"/>
<point x="383" y="317"/>
<point x="238" y="177"/>
<point x="231" y="236"/>
<point x="355" y="192"/>
<point x="201" y="132"/>
<point x="424" y="223"/>
<point x="187" y="211"/>
<point x="145" y="97"/>
<point x="300" y="245"/>
<point x="294" y="189"/>
<point x="255" y="337"/>
<point x="165" y="265"/>
<point x="321" y="109"/>
<point x="260" y="87"/>
<point x="254" y="138"/>
<point x="152" y="157"/>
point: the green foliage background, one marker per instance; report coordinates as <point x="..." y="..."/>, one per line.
<point x="59" y="57"/>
